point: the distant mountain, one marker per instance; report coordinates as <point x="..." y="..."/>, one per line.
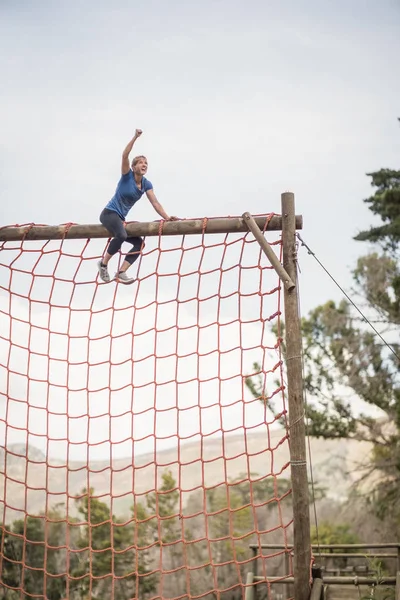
<point x="25" y="475"/>
<point x="16" y="451"/>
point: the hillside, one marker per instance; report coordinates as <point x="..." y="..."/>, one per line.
<point x="334" y="465"/>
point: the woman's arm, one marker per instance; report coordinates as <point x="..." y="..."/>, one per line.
<point x="125" y="166"/>
<point x="157" y="206"/>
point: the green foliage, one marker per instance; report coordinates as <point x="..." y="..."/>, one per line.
<point x="384" y="203"/>
<point x="379" y="591"/>
<point x="230" y="526"/>
<point x="32" y="552"/>
<point x="105" y="551"/>
<point x="10" y="572"/>
<point x="329" y="533"/>
<point x="107" y="556"/>
<point x="378" y="281"/>
<point x="162" y="505"/>
<point x="345" y="358"/>
<point x="228" y="518"/>
<point x="160" y="531"/>
<point x="264" y="491"/>
<point x="340" y="356"/>
<point x="102" y="554"/>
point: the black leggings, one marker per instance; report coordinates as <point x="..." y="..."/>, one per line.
<point x="115" y="225"/>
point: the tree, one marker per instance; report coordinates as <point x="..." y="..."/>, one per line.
<point x="163" y="527"/>
<point x="31" y="556"/>
<point x="108" y="556"/>
<point x="144" y="540"/>
<point x="384" y="203"/>
<point x="341" y="348"/>
<point x="10" y="571"/>
<point x="223" y="526"/>
<point x="163" y="506"/>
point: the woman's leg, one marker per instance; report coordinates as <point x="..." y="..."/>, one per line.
<point x="115" y="226"/>
<point x="133" y="254"/>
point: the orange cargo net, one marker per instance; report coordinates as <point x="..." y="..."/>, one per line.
<point x="134" y="461"/>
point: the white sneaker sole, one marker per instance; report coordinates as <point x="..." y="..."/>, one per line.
<point x="124" y="281"/>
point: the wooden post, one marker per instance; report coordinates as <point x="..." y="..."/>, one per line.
<point x="286" y="587"/>
<point x="255" y="571"/>
<point x="316" y="591"/>
<point x="270" y="254"/>
<point x="249" y="590"/>
<point x="297" y="435"/>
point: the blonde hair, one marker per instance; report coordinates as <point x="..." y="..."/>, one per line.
<point x="136" y="160"/>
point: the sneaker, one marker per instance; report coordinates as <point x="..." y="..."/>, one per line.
<point x="103" y="272"/>
<point x="122" y="277"/>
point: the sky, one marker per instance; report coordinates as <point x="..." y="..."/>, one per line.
<point x="238" y="103"/>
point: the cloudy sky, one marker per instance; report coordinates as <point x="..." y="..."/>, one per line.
<point x="238" y="103"/>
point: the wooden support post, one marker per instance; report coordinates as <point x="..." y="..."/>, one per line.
<point x="273" y="259"/>
<point x="286" y="574"/>
<point x="316" y="590"/>
<point x="297" y="437"/>
<point x="249" y="591"/>
<point x="397" y="593"/>
<point x="254" y="564"/>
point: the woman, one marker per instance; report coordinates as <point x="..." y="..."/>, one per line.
<point x="131" y="187"/>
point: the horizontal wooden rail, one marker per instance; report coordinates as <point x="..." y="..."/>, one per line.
<point x="155" y="228"/>
<point x="325" y="546"/>
<point x="355" y="580"/>
<point x="354" y="555"/>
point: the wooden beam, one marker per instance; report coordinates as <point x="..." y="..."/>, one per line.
<point x="325" y="546"/>
<point x="351" y="555"/>
<point x="297" y="432"/>
<point x="356" y="580"/>
<point x="184" y="227"/>
<point x="267" y="249"/>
